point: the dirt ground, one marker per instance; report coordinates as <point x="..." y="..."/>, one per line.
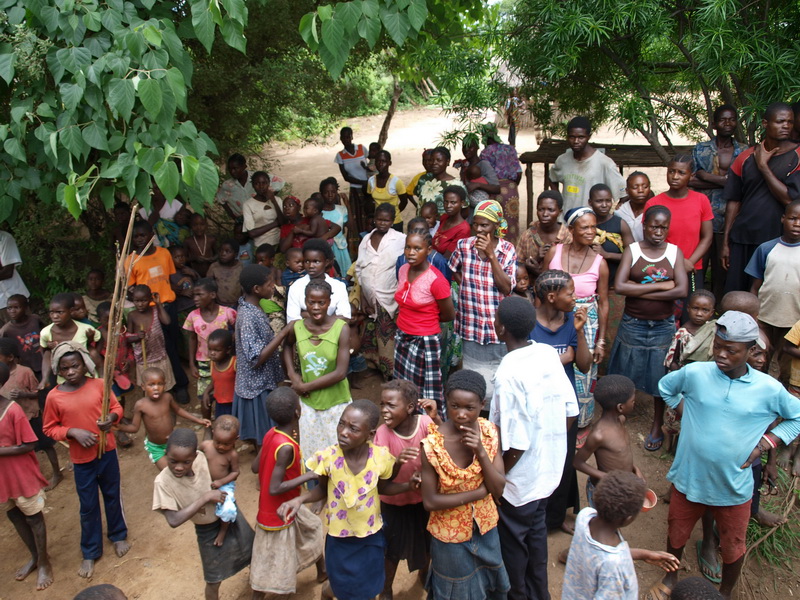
<point x="164" y="563"/>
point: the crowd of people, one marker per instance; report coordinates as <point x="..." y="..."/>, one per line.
<point x="490" y="340"/>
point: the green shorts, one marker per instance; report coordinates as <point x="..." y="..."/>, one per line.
<point x="155" y="451"/>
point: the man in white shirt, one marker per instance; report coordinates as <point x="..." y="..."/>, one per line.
<point x="582" y="166"/>
<point x="234" y="192"/>
<point x="532" y="404"/>
<point x="10" y="281"/>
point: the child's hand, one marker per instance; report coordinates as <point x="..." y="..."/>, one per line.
<point x="289" y="509"/>
<point x="471" y="439"/>
<point x="665" y="560"/>
<point x="429" y="406"/>
<point x="89" y="335"/>
<point x="407" y="455"/>
<point x="52" y="344"/>
<point x="107" y="424"/>
<point x="581" y="316"/>
<point x="415" y="482"/>
<point x="157" y="297"/>
<point x="14" y="394"/>
<point x="638" y="473"/>
<point x="215" y="485"/>
<point x="206" y="401"/>
<point x="206" y="423"/>
<point x="299" y="387"/>
<point x="194" y="370"/>
<point x="215" y="496"/>
<point x="85" y="438"/>
<point x="141" y="335"/>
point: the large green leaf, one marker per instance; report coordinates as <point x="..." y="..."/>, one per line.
<point x="177" y="84"/>
<point x="96" y="136"/>
<point x="308" y="30"/>
<point x="203" y="24"/>
<point x="14" y="148"/>
<point x="348" y="14"/>
<point x="396" y="24"/>
<point x="71" y="94"/>
<point x="73" y="141"/>
<point x="149" y="92"/>
<point x="417" y="13"/>
<point x="233" y="34"/>
<point x="190" y="166"/>
<point x="207" y="178"/>
<point x="236" y="9"/>
<point x="7" y="59"/>
<point x="370" y="30"/>
<point x="168" y="179"/>
<point x="121" y="97"/>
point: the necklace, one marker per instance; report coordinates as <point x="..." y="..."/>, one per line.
<point x="569" y="260"/>
<point x="205" y="241"/>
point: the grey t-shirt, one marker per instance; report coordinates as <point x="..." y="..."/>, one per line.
<point x="578" y="177"/>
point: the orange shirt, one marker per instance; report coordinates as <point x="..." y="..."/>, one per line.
<point x="153" y="270"/>
<point x="454" y="525"/>
<point x="81" y="410"/>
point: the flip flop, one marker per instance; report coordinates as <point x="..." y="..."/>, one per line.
<point x="714" y="576"/>
<point x="658" y="592"/>
<point x="652" y="444"/>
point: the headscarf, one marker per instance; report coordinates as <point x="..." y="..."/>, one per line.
<point x="576" y="213"/>
<point x="489" y="133"/>
<point x="67" y="347"/>
<point x="489" y="209"/>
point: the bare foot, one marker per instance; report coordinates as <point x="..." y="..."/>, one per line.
<point x="785" y="458"/>
<point x="563" y="555"/>
<point x="327" y="592"/>
<point x="768" y="519"/>
<point x="322" y="574"/>
<point x="386" y="595"/>
<point x="54" y="481"/>
<point x="45" y="577"/>
<point x="86" y="569"/>
<point x="316" y="507"/>
<point x="25" y="570"/>
<point x="121" y="547"/>
<point x="567" y="528"/>
<point x="796" y="465"/>
<point x="220" y="539"/>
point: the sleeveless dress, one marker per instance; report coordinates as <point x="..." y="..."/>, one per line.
<point x="324" y="407"/>
<point x="586" y="293"/>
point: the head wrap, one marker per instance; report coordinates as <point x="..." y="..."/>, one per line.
<point x="67" y="347"/>
<point x="295" y="199"/>
<point x="489" y="134"/>
<point x="490" y="209"/>
<point x="576" y="213"/>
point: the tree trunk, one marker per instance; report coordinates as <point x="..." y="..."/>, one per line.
<point x="384" y="134"/>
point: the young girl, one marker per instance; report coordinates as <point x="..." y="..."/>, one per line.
<point x="201" y="323"/>
<point x="63" y="329"/>
<point x="560" y="326"/>
<point x="95" y="294"/>
<point x="223" y="374"/>
<point x="404" y="517"/>
<point x="651" y="278"/>
<point x="226" y="272"/>
<point x="147" y="335"/>
<point x="462" y="478"/>
<point x="523" y="286"/>
<point x="262" y="214"/>
<point x="544" y="233"/>
<point x="452" y="226"/>
<point x="183" y="279"/>
<point x="589" y="272"/>
<point x="691" y="228"/>
<point x="258" y="366"/>
<point x="200" y="247"/>
<point x="423" y="301"/>
<point x="385" y="188"/>
<point x="336" y="214"/>
<point x="321" y="344"/>
<point x="352" y="473"/>
<point x="377" y="255"/>
<point x="632" y="211"/>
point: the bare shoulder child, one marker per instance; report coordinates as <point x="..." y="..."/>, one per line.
<point x="609" y="440"/>
<point x="156" y="411"/>
<point x="223" y="464"/>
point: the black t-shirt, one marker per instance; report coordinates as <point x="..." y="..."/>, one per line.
<point x="759" y="218"/>
<point x="613" y="225"/>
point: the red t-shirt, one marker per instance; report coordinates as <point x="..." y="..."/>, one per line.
<point x="418" y="311"/>
<point x="688" y="214"/>
<point x="20" y="476"/>
<point x="224" y="382"/>
<point x="298" y="240"/>
<point x="81" y="410"/>
<point x="268" y="504"/>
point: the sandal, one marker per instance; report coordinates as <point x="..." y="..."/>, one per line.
<point x="651" y="444"/>
<point x="708" y="571"/>
<point x="658" y="592"/>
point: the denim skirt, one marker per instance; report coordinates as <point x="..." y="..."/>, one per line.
<point x="639" y="351"/>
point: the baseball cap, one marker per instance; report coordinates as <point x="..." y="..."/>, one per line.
<point x="735" y="326"/>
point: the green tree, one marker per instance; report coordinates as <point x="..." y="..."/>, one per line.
<point x="651" y="66"/>
<point x="94" y="95"/>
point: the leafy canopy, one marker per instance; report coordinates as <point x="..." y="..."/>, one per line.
<point x="93" y="93"/>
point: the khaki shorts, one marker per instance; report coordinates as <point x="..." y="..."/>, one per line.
<point x="28" y="506"/>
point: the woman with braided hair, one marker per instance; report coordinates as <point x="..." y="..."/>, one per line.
<point x="589" y="272"/>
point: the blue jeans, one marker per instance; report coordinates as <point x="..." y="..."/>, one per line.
<point x="101" y="473"/>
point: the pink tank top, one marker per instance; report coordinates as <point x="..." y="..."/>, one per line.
<point x="586" y="282"/>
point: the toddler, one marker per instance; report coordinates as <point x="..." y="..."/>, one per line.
<point x="430" y="213"/>
<point x="157" y="410"/>
<point x="523" y="285"/>
<point x="223" y="374"/>
<point x="223" y="465"/>
<point x="275" y="307"/>
<point x="295" y="268"/>
<point x="226" y="271"/>
<point x="79" y="311"/>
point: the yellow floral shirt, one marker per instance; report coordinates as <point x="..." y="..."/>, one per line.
<point x="454" y="525"/>
<point x="353" y="504"/>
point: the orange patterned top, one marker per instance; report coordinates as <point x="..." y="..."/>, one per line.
<point x="454" y="525"/>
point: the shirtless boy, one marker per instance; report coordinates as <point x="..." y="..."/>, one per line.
<point x="223" y="464"/>
<point x="609" y="440"/>
<point x="156" y="410"/>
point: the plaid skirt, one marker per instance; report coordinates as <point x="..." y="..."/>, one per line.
<point x="417" y="358"/>
<point x="584" y="382"/>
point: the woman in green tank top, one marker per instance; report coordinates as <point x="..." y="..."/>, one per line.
<point x="320" y="342"/>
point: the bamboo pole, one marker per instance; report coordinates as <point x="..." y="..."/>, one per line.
<point x="144" y="350"/>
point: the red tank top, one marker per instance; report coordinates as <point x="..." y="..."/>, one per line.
<point x="224" y="381"/>
<point x="268" y="504"/>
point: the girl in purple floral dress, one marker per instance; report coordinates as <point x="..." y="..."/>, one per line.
<point x="352" y="474"/>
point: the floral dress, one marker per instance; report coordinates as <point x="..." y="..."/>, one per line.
<point x="431" y="189"/>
